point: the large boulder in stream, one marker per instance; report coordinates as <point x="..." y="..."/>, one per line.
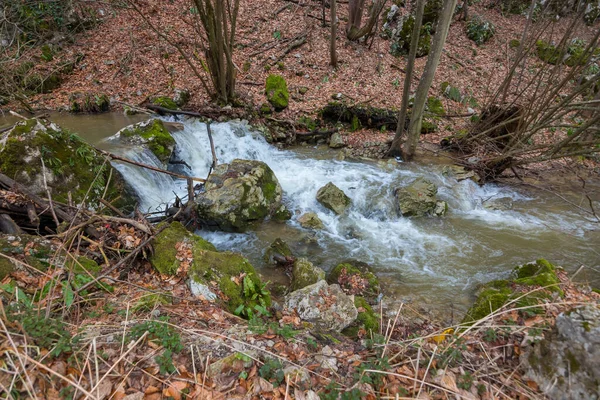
<point x="325" y="306"/>
<point x="419" y="199"/>
<point x="180" y="252"/>
<point x="38" y="153"/>
<point x="151" y="134"/>
<point x="566" y="363"/>
<point x="239" y="194"/>
<point x="333" y="198"/>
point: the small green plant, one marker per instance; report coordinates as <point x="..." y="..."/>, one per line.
<point x="490" y="335"/>
<point x="256" y="295"/>
<point x="465" y="381"/>
<point x="272" y="370"/>
<point x="165" y="335"/>
<point x="454" y="353"/>
<point x="480" y="30"/>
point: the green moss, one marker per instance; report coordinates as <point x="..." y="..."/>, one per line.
<point x="514" y="43"/>
<point x="367" y="319"/>
<point x="265" y="109"/>
<point x="350" y="268"/>
<point x="165" y="102"/>
<point x="479" y="30"/>
<point x="277" y="92"/>
<point x="574" y="365"/>
<point x="488" y="301"/>
<point x="428" y="127"/>
<point x="85" y="265"/>
<point x="6" y="267"/>
<point x="164" y="258"/>
<point x="221" y="267"/>
<point x="159" y="140"/>
<point x="548" y="53"/>
<point x="401" y="46"/>
<point x="435" y="106"/>
<point x="539" y="273"/>
<point x="355" y="124"/>
<point x="282" y="214"/>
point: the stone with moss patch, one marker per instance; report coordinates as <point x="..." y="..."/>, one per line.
<point x="518" y="289"/>
<point x="277" y="92"/>
<point x="277" y="251"/>
<point x="304" y="273"/>
<point x="435" y="106"/>
<point x="356" y="277"/>
<point x="310" y="220"/>
<point x="70" y="164"/>
<point x="89" y="103"/>
<point x="151" y="134"/>
<point x="164" y="258"/>
<point x="419" y="199"/>
<point x="367" y="320"/>
<point x="239" y="194"/>
<point x="165" y="102"/>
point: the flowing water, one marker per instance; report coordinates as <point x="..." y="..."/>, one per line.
<point x="435" y="262"/>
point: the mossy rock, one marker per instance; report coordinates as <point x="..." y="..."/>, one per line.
<point x="165" y="244"/>
<point x="265" y="109"/>
<point x="310" y="220"/>
<point x="71" y="165"/>
<point x="435" y="106"/>
<point x="304" y="274"/>
<point x="518" y="288"/>
<point x="367" y="320"/>
<point x="151" y="134"/>
<point x="211" y="266"/>
<point x="333" y="198"/>
<point x="165" y="102"/>
<point x="89" y="102"/>
<point x="238" y="195"/>
<point x="428" y="127"/>
<point x="356" y="277"/>
<point x="277" y="92"/>
<point x="514" y="43"/>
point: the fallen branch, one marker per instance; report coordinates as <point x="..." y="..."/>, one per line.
<point x="294" y="45"/>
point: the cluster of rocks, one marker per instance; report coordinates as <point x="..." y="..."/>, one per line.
<point x="377" y="150"/>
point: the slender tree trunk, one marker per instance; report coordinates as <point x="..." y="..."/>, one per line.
<point x="396" y="147"/>
<point x="466" y="10"/>
<point x="416" y="120"/>
<point x="354" y="30"/>
<point x="332" y="51"/>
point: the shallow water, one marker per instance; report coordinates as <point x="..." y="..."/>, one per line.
<point x="434" y="262"/>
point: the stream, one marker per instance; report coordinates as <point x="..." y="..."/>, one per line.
<point x="435" y="263"/>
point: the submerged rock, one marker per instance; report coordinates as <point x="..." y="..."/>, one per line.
<point x="70" y="165"/>
<point x="356" y="278"/>
<point x="304" y="273"/>
<point x="310" y="220"/>
<point x="178" y="251"/>
<point x="419" y="199"/>
<point x="325" y="306"/>
<point x="495" y="294"/>
<point x="333" y="198"/>
<point x="239" y="194"/>
<point x="278" y="252"/>
<point x="151" y="134"/>
<point x="566" y="363"/>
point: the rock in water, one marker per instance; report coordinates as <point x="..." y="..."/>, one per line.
<point x="333" y="198"/>
<point x="151" y="134"/>
<point x="419" y="199"/>
<point x="336" y="141"/>
<point x="304" y="274"/>
<point x="70" y="165"/>
<point x="310" y="220"/>
<point x="566" y="364"/>
<point x="239" y="194"/>
<point x="325" y="306"/>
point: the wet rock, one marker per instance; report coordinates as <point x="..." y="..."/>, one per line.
<point x="419" y="199"/>
<point x="165" y="102"/>
<point x="304" y="273"/>
<point x="336" y="141"/>
<point x="278" y="252"/>
<point x="566" y="364"/>
<point x="325" y="306"/>
<point x="460" y="173"/>
<point x="239" y="194"/>
<point x="151" y="134"/>
<point x="356" y="278"/>
<point x="333" y="198"/>
<point x="70" y="165"/>
<point x="310" y="220"/>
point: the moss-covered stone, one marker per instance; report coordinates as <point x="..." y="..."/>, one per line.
<point x="514" y="43"/>
<point x="518" y="289"/>
<point x="310" y="220"/>
<point x="277" y="92"/>
<point x="277" y="250"/>
<point x="435" y="106"/>
<point x="238" y="195"/>
<point x="304" y="274"/>
<point x="89" y="102"/>
<point x="152" y="134"/>
<point x="165" y="102"/>
<point x="356" y="277"/>
<point x="419" y="199"/>
<point x="333" y="198"/>
<point x="70" y="164"/>
<point x="164" y="259"/>
<point x="367" y="320"/>
<point x="265" y="109"/>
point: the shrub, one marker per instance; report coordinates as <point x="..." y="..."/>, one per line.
<point x="480" y="30"/>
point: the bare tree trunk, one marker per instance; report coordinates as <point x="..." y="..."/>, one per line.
<point x="441" y="33"/>
<point x="354" y="30"/>
<point x="396" y="147"/>
<point x="465" y="10"/>
<point x="332" y="51"/>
